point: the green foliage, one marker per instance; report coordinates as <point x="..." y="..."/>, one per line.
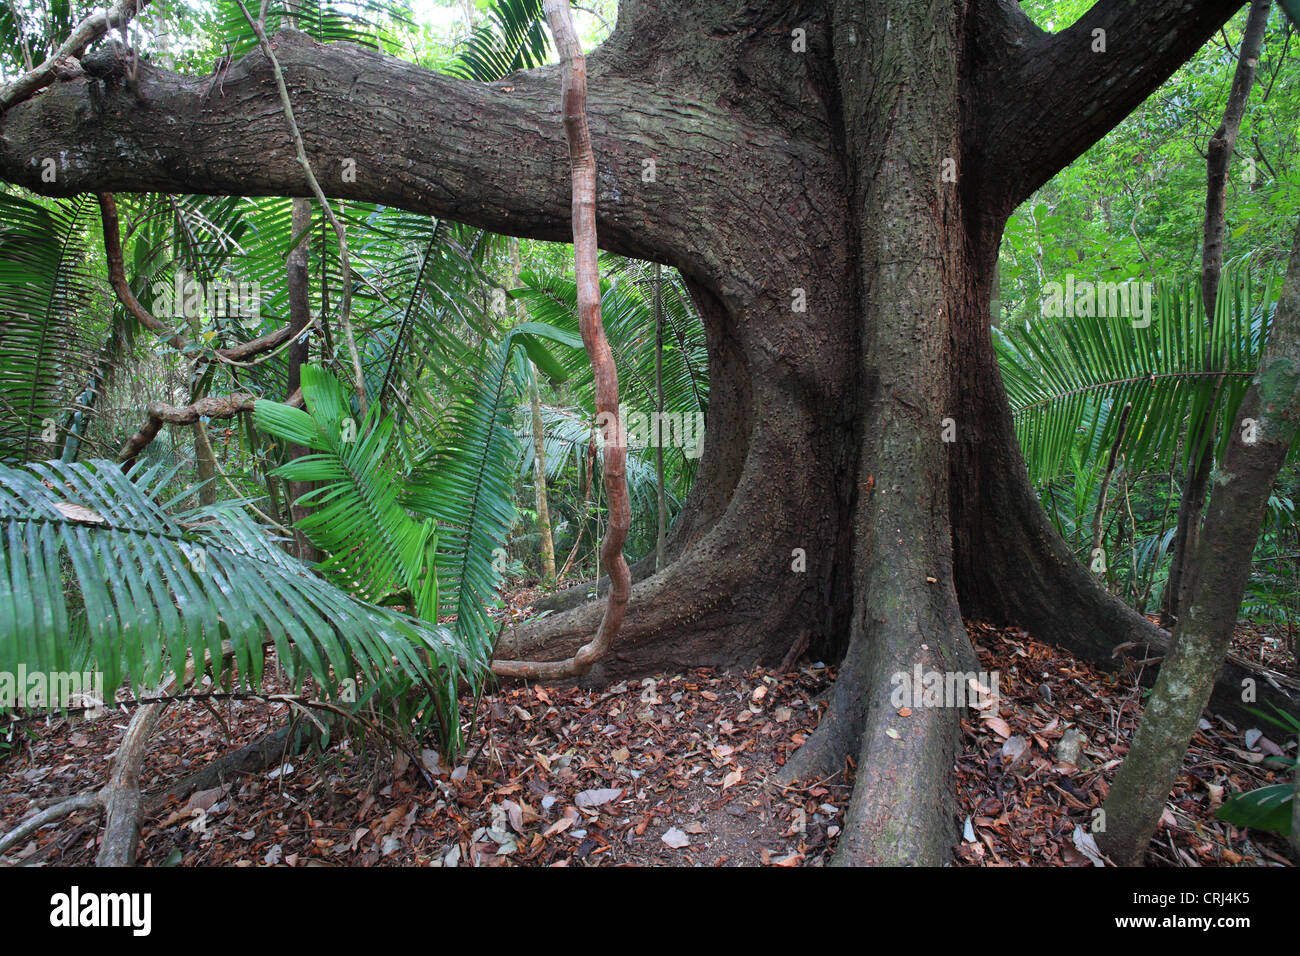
<point x="31" y="34"/>
<point x="46" y="335"/>
<point x="1068" y="379"/>
<point x="627" y="314"/>
<point x="1266" y="808"/>
<point x="466" y="481"/>
<point x="374" y="23"/>
<point x="154" y="583"/>
<point x="514" y="38"/>
<point x="375" y="548"/>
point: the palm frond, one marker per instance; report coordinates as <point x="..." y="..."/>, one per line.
<point x="1067" y="379"/>
<point x="375" y="548"/>
<point x="47" y="296"/>
<point x="628" y="316"/>
<point x="89" y="553"/>
<point x="466" y="483"/>
<point x="513" y="39"/>
<point x="372" y="23"/>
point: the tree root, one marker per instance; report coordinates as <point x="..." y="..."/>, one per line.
<point x="123" y="804"/>
<point x="257" y="755"/>
<point x="119" y="797"/>
<point x="52" y="814"/>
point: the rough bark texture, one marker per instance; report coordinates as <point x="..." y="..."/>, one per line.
<point x="1266" y="425"/>
<point x="205" y="465"/>
<point x="832" y="180"/>
<point x="63" y="64"/>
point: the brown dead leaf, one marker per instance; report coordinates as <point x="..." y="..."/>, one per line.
<point x="997" y="725"/>
<point x="559" y="826"/>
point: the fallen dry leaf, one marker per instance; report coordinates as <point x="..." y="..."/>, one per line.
<point x="675" y="838"/>
<point x="596" y="798"/>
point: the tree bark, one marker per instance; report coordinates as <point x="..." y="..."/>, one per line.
<point x="661" y="504"/>
<point x="1266" y="425"/>
<point x="205" y="464"/>
<point x="832" y="180"/>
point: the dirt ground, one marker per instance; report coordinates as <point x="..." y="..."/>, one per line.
<point x="674" y="770"/>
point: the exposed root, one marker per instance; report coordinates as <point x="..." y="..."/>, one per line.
<point x="82" y="801"/>
<point x="259" y="755"/>
<point x="123" y="804"/>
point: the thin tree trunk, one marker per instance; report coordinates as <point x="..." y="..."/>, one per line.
<point x="660" y="495"/>
<point x="1099" y="518"/>
<point x="1262" y="435"/>
<point x="205" y="460"/>
<point x="1201" y="434"/>
<point x="298" y="284"/>
<point x="539" y="442"/>
<point x="583" y="168"/>
<point x="539" y="483"/>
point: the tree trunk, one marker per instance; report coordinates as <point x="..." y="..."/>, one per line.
<point x="298" y="276"/>
<point x="205" y="464"/>
<point x="832" y="180"/>
<point x="1201" y="437"/>
<point x="539" y="484"/>
<point x="661" y="536"/>
<point x="539" y="443"/>
<point x="1266" y="426"/>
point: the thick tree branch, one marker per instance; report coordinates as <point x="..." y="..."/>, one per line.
<point x="1060" y="93"/>
<point x="63" y="63"/>
<point x="211" y="406"/>
<point x="483" y="154"/>
<point x="117" y="274"/>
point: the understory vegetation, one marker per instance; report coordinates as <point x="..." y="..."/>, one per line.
<point x="347" y="460"/>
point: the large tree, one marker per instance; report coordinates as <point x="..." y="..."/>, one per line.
<point x="832" y="179"/>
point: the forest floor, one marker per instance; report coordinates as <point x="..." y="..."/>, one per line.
<point x="672" y="770"/>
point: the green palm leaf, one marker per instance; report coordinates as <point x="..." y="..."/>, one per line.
<point x="375" y="548"/>
<point x="90" y="556"/>
<point x="466" y="482"/>
<point x="47" y="298"/>
<point x="1067" y="379"/>
<point x="513" y="39"/>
